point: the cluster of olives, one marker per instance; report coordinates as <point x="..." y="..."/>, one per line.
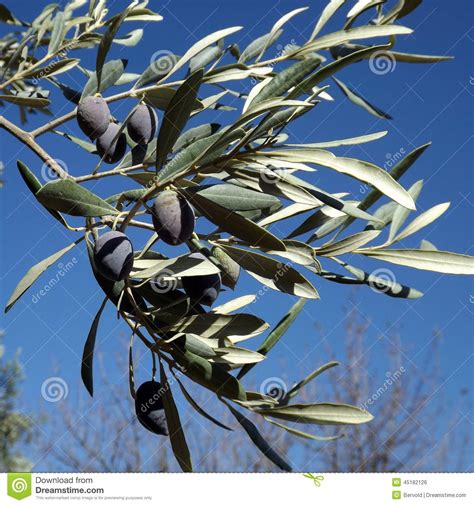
<point x="94" y="119"/>
<point x="173" y="219"/>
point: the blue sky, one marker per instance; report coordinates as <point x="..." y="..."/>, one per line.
<point x="427" y="102"/>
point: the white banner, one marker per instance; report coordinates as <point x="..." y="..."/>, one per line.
<point x="238" y="488"/>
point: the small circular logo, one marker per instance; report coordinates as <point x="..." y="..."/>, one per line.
<point x="54" y="389"/>
<point x="382" y="63"/>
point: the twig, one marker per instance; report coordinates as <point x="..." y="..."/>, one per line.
<point x="27" y="139"/>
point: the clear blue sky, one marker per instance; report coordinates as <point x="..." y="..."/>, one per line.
<point x="428" y="103"/>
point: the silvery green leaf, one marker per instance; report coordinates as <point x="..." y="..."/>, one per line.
<point x="210" y="325"/>
<point x="175" y="428"/>
<point x="111" y="73"/>
<point x="65" y="195"/>
<point x="194" y="134"/>
<point x="357" y="33"/>
<point x="211" y="375"/>
<point x="34" y="272"/>
<point x="25" y="101"/>
<point x="303" y="434"/>
<point x="348" y="244"/>
<point x="401" y="213"/>
<point x="344" y="142"/>
<point x="276" y="334"/>
<point x="318" y="413"/>
<point x="286" y="79"/>
<point x="233" y="305"/>
<point x="259" y="45"/>
<point x="423" y="220"/>
<point x="259" y="441"/>
<point x="326" y="15"/>
<point x="296" y="388"/>
<point x="53" y="68"/>
<point x="200" y="45"/>
<point x="359" y="100"/>
<point x="381" y="284"/>
<point x="84" y="144"/>
<point x="176" y="116"/>
<point x="131" y="38"/>
<point x="157" y="68"/>
<point x="235" y="224"/>
<point x="426" y="245"/>
<point x="436" y="261"/>
<point x="57" y="33"/>
<point x="206" y="56"/>
<point x="232" y="197"/>
<point x="198" y="408"/>
<point x="359" y="169"/>
<point x="106" y="42"/>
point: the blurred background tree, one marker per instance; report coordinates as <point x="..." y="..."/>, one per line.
<point x="15" y="428"/>
<point x="405" y="435"/>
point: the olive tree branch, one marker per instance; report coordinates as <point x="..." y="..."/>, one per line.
<point x="27" y="139"/>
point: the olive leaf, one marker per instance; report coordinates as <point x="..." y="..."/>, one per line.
<point x="436" y="261"/>
<point x="286" y="79"/>
<point x="111" y="73"/>
<point x="106" y="42"/>
<point x="26" y="101"/>
<point x="359" y="100"/>
<point x="157" y="69"/>
<point x="318" y="413"/>
<point x="88" y="352"/>
<point x="232" y="197"/>
<point x="176" y="116"/>
<point x="212" y="325"/>
<point x="258" y="440"/>
<point x="303" y="434"/>
<point x="272" y="273"/>
<point x="198" y="408"/>
<point x="34" y="272"/>
<point x="210" y="375"/>
<point x="235" y="224"/>
<point x="175" y="428"/>
<point x="296" y="388"/>
<point x="276" y="334"/>
<point x="65" y="195"/>
<point x="57" y="33"/>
